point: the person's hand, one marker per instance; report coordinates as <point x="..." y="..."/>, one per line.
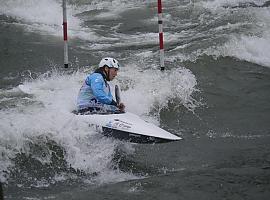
<point x="122" y="106"/>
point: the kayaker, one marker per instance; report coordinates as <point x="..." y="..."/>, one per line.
<point x="95" y="94"/>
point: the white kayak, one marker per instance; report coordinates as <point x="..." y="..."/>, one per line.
<point x="129" y="127"/>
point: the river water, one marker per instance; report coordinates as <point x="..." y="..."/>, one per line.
<point x="215" y="94"/>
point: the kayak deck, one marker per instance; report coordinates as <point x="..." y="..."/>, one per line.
<point x="129" y="127"/>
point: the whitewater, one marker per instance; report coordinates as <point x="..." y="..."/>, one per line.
<point x="214" y="93"/>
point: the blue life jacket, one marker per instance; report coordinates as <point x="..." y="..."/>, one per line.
<point x="95" y="94"/>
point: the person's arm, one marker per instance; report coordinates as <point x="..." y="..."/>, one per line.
<point x="97" y="86"/>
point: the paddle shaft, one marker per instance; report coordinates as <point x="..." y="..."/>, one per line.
<point x="117" y="95"/>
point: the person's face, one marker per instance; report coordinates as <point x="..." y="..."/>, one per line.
<point x="113" y="73"/>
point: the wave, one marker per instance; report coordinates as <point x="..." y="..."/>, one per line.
<point x="215" y="4"/>
<point x="236" y="31"/>
<point x="218" y="28"/>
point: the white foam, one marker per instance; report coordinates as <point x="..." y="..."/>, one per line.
<point x="51" y="118"/>
<point x="216" y="4"/>
<point x="249" y="48"/>
<point x="250" y="45"/>
<point x="253" y="47"/>
<point x="45" y="17"/>
<point x="152" y="89"/>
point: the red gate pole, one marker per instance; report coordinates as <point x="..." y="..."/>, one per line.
<point x="161" y="46"/>
<point x="65" y="34"/>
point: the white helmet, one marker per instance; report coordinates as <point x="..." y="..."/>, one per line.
<point x="110" y="62"/>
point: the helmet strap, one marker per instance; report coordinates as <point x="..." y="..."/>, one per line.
<point x="107" y="74"/>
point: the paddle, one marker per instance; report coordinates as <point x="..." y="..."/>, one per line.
<point x="120" y="105"/>
<point x="117" y="94"/>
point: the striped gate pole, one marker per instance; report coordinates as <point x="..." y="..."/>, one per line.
<point x="160" y="26"/>
<point x="65" y="33"/>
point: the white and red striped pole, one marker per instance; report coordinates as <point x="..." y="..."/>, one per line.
<point x="160" y="26"/>
<point x="65" y="34"/>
